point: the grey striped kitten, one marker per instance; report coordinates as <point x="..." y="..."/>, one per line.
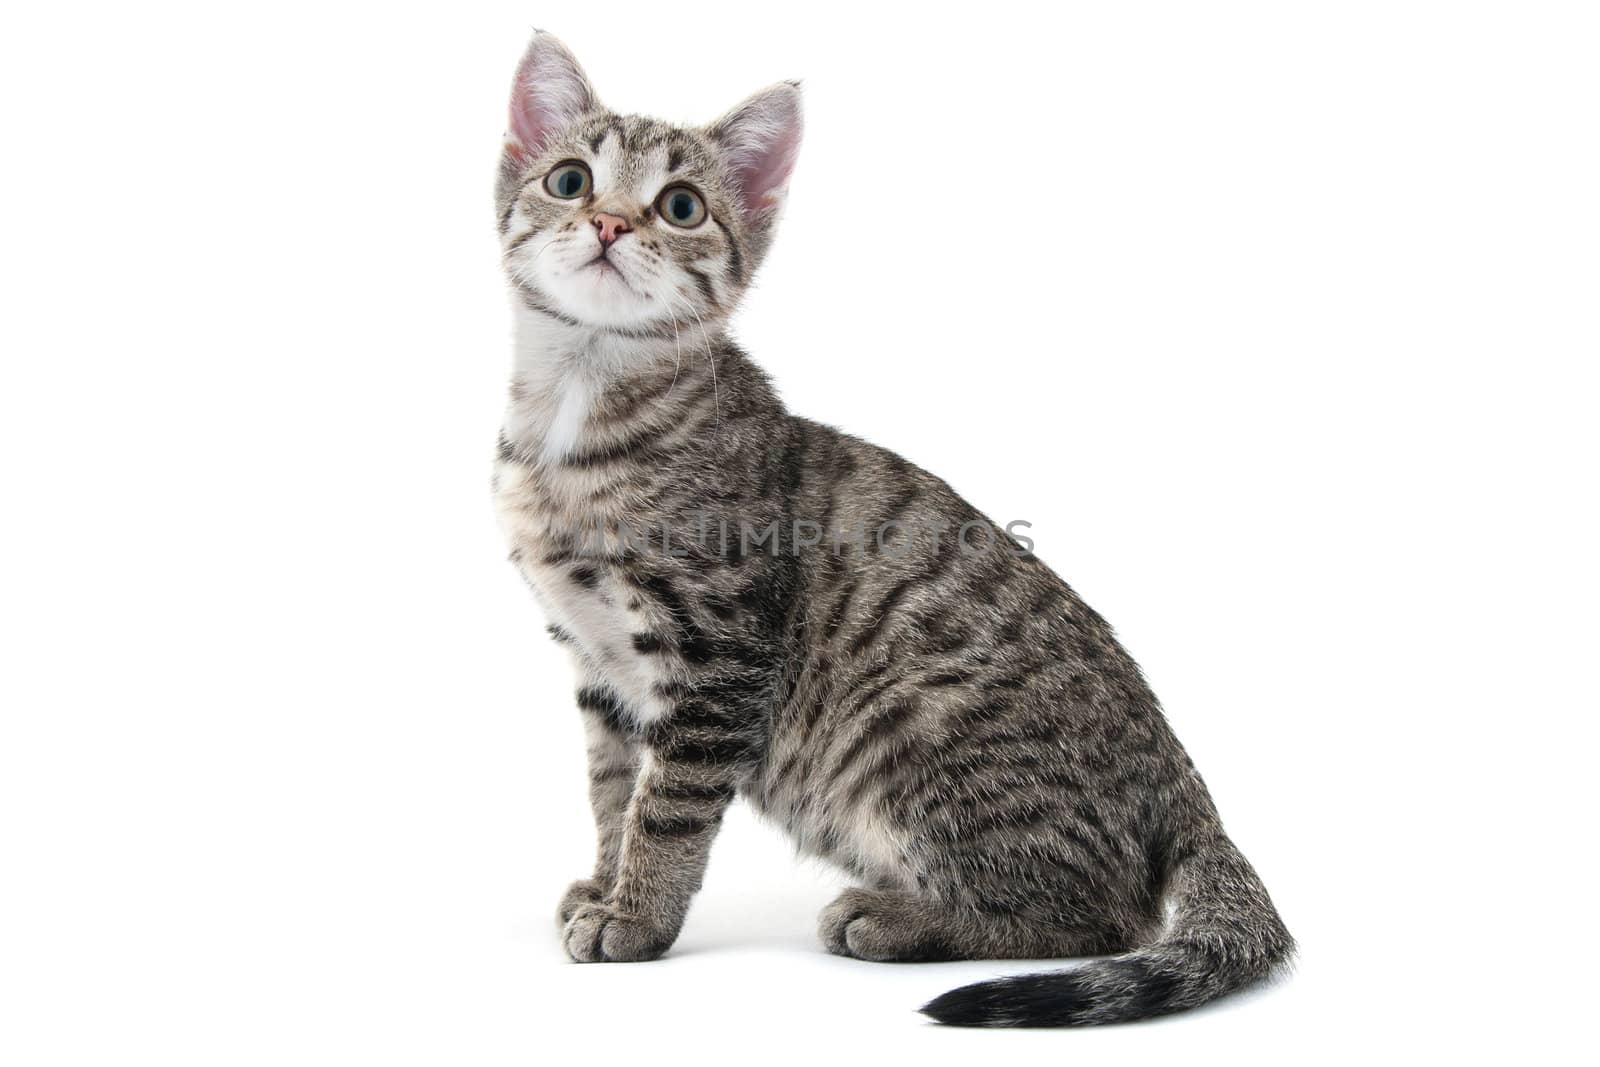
<point x="761" y="606"/>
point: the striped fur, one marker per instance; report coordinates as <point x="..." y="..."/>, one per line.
<point x="954" y="728"/>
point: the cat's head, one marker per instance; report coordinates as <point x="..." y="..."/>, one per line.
<point x="628" y="223"/>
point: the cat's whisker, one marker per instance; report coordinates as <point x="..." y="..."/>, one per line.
<point x="524" y="272"/>
<point x="677" y="352"/>
<point x="716" y="395"/>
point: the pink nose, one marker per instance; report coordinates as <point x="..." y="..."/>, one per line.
<point x="610" y="226"/>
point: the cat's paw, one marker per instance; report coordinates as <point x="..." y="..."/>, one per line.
<point x="869" y="925"/>
<point x="583" y="891"/>
<point x="598" y="933"/>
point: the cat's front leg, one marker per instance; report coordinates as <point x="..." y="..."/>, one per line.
<point x="613" y="768"/>
<point x="686" y="781"/>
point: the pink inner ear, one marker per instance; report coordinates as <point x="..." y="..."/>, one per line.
<point x="549" y="92"/>
<point x="767" y="167"/>
<point x="532" y="119"/>
<point x="761" y="139"/>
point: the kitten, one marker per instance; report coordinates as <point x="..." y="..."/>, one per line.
<point x="761" y="606"/>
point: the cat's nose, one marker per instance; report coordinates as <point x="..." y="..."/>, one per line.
<point x="610" y="226"/>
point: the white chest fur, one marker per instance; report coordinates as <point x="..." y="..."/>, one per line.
<point x="561" y="372"/>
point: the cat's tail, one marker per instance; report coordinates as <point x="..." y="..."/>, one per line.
<point x="1223" y="935"/>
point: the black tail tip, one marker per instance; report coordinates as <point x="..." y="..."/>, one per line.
<point x="971" y="1005"/>
<point x="1055" y="998"/>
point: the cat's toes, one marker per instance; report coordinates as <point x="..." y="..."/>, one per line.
<point x="837" y="916"/>
<point x="597" y="933"/>
<point x="583" y="891"/>
<point x="887" y="939"/>
<point x="883" y="927"/>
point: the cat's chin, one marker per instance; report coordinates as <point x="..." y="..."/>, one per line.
<point x="599" y="295"/>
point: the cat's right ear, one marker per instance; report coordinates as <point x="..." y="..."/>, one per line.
<point x="549" y="93"/>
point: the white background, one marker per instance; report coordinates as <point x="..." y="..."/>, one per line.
<point x="1277" y="320"/>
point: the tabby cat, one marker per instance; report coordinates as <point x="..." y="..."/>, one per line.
<point x="758" y="605"/>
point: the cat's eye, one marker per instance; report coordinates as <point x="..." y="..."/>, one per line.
<point x="681" y="206"/>
<point x="568" y="181"/>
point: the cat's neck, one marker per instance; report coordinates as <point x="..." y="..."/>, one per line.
<point x="561" y="371"/>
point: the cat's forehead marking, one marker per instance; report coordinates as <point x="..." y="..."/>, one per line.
<point x="634" y="157"/>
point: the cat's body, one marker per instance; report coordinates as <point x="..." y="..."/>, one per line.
<point x="759" y="605"/>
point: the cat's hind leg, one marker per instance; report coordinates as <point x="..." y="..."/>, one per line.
<point x="897" y="926"/>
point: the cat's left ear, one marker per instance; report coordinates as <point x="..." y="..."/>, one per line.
<point x="760" y="140"/>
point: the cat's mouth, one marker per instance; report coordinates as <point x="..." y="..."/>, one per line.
<point x="602" y="268"/>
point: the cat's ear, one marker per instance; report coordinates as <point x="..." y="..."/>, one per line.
<point x="760" y="140"/>
<point x="549" y="93"/>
